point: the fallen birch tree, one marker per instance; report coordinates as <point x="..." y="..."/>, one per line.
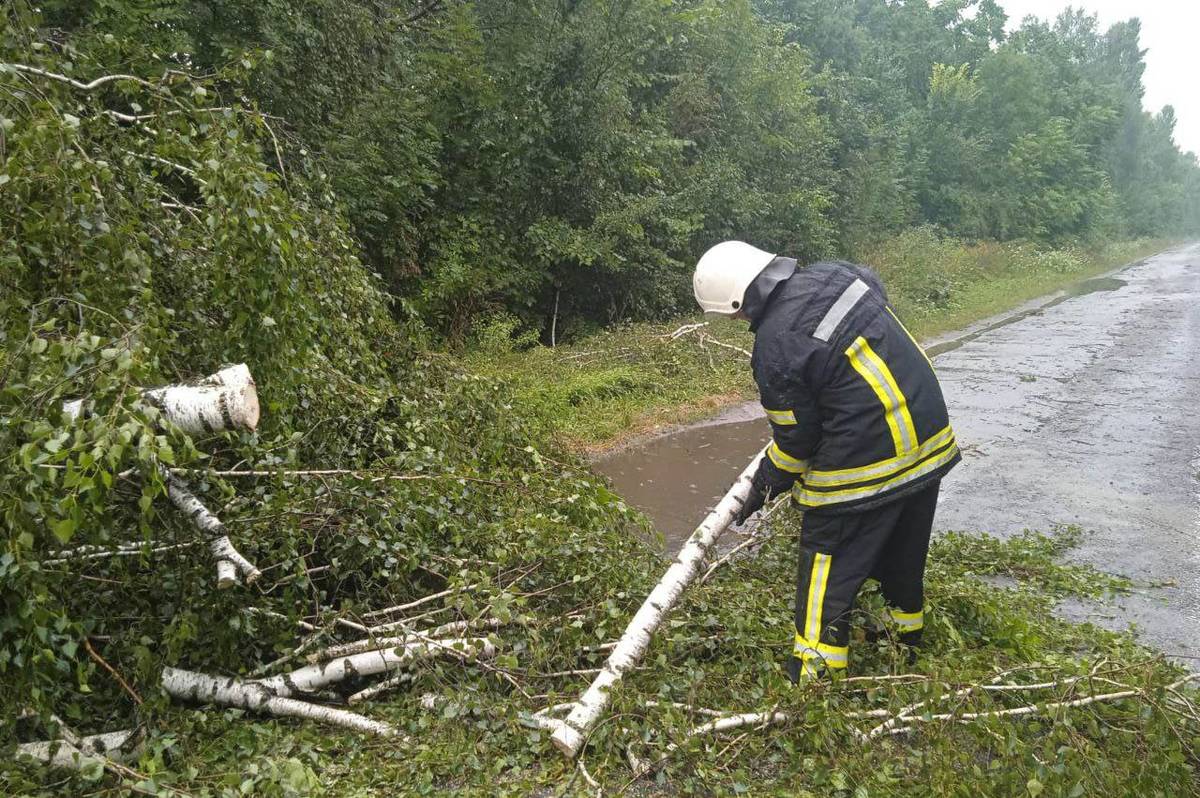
<point x="225" y="400"/>
<point x="571" y="733"/>
<point x="202" y="688"/>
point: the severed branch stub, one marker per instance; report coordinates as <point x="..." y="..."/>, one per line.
<point x="225" y="400"/>
<point x="572" y="732"/>
<point x="203" y="688"/>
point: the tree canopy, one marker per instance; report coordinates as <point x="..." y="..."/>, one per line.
<point x="521" y="156"/>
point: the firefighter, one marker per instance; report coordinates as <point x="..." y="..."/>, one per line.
<point x="860" y="436"/>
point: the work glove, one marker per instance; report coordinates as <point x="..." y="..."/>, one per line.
<point x="769" y="480"/>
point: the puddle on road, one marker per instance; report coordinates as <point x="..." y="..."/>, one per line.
<point x="1082" y="288"/>
<point x="1086" y="287"/>
<point x="677" y="478"/>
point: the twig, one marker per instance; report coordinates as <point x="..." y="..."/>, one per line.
<point x="1016" y="711"/>
<point x="87" y="644"/>
<point x="84" y="553"/>
<point x="684" y="330"/>
<point x="374" y="643"/>
<point x="414" y="604"/>
<point x="377" y="689"/>
<point x="94" y="84"/>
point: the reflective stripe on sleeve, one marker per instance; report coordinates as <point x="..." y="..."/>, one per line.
<point x="785" y="461"/>
<point x="838" y="310"/>
<point x="781" y="417"/>
<point x="895" y="407"/>
<point x="908" y="621"/>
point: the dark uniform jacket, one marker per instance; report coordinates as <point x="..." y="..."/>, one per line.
<point x="856" y="412"/>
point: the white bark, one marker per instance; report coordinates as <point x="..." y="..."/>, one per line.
<point x="414" y="604"/>
<point x="315" y="677"/>
<point x="1031" y="709"/>
<point x="572" y="732"/>
<point x="97" y="552"/>
<point x="225" y="400"/>
<point x="201" y="687"/>
<point x="230" y="562"/>
<point x="391" y="683"/>
<point x="227" y="575"/>
<point x="221" y="401"/>
<point x="94" y="748"/>
<point x="758" y="719"/>
<point x="375" y="643"/>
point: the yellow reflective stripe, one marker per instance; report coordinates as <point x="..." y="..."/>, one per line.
<point x="817" y="582"/>
<point x="785" y="461"/>
<point x="883" y="468"/>
<point x="908" y="621"/>
<point x="807" y="650"/>
<point x="814" y="499"/>
<point x="895" y="406"/>
<point x="781" y="417"/>
<point x="920" y="348"/>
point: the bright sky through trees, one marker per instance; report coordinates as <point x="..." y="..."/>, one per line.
<point x="1169" y="31"/>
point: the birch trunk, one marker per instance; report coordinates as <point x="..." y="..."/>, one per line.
<point x="315" y="677"/>
<point x="571" y="733"/>
<point x="230" y="562"/>
<point x="92" y="749"/>
<point x="221" y="401"/>
<point x="200" y="687"/>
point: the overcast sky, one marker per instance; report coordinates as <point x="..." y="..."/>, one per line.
<point x="1171" y="33"/>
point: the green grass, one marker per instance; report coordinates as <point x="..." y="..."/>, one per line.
<point x="601" y="391"/>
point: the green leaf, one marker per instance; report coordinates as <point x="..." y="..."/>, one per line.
<point x="64" y="529"/>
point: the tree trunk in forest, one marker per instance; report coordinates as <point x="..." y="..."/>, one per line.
<point x="554" y="320"/>
<point x="572" y="732"/>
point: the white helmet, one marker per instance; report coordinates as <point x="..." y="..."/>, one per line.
<point x="724" y="273"/>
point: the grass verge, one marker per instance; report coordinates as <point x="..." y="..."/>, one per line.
<point x="632" y="380"/>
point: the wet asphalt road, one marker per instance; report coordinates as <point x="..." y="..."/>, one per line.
<point x="1088" y="412"/>
<point x="1079" y="409"/>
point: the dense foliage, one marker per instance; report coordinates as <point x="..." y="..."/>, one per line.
<point x="575" y="156"/>
<point x="152" y="244"/>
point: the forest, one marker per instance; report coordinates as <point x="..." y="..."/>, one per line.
<point x="344" y="199"/>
